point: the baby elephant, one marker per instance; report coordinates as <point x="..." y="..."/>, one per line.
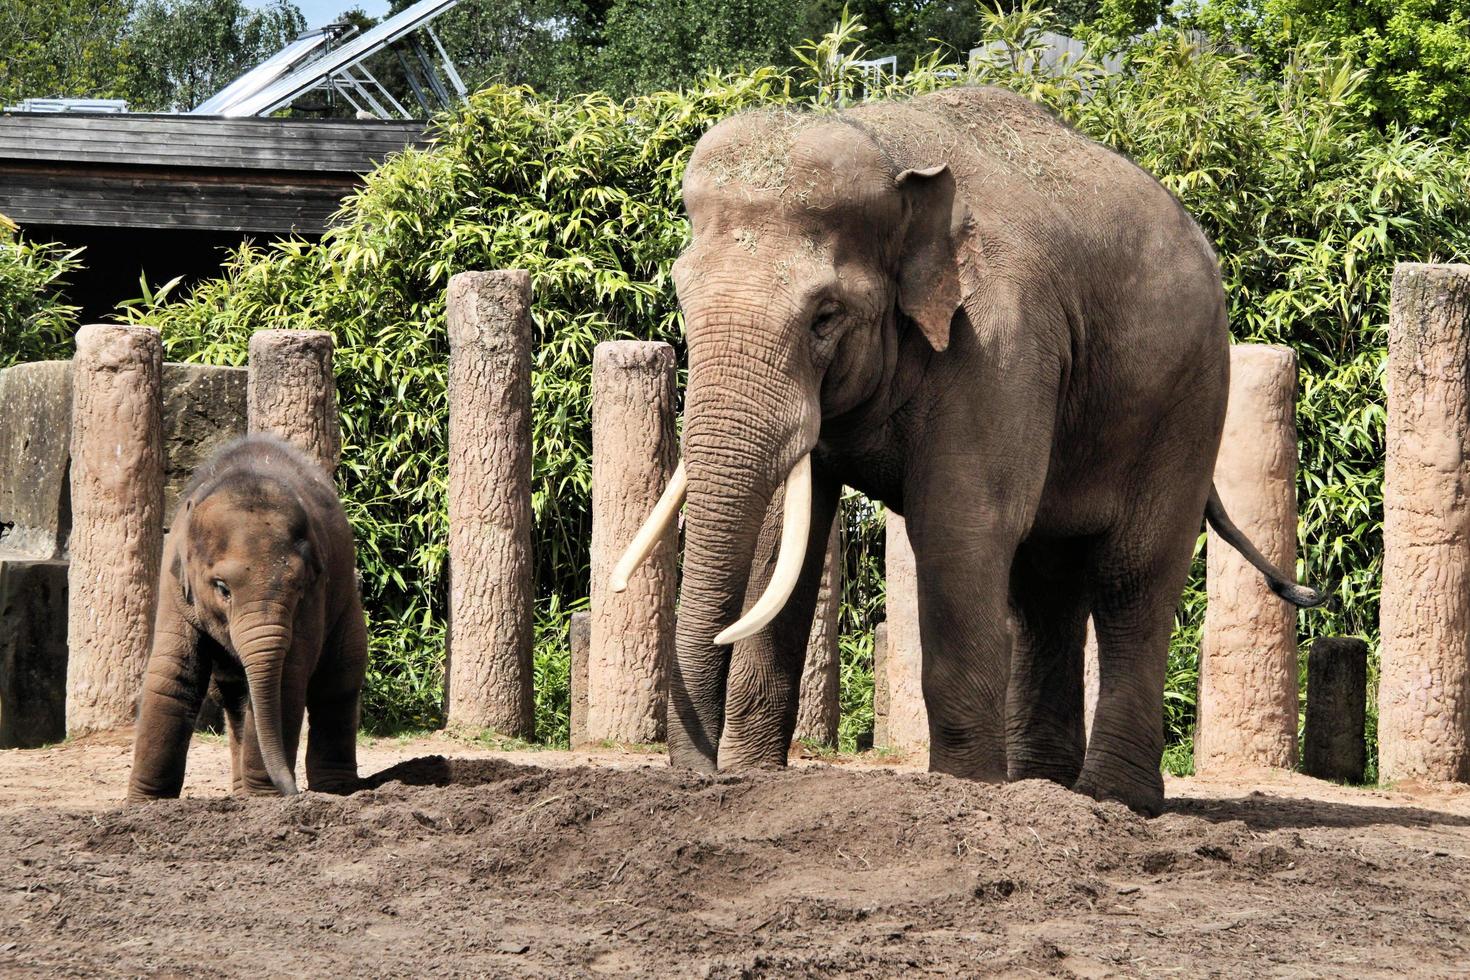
<point x="257" y="590"/>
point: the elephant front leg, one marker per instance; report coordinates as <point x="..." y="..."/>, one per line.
<point x="966" y="640"/>
<point x="765" y="670"/>
<point x="173" y="690"/>
<point x="333" y="699"/>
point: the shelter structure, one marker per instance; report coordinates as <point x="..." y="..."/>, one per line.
<point x="169" y="195"/>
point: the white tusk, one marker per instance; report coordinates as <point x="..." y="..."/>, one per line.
<point x="662" y="518"/>
<point x="796" y="522"/>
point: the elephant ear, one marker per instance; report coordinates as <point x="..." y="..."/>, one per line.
<point x="180" y="567"/>
<point x="929" y="288"/>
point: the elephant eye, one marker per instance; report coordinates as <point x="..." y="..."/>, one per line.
<point x="828" y="315"/>
<point x="222" y="589"/>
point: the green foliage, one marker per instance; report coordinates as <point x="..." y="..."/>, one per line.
<point x="62" y="48"/>
<point x="1309" y="205"/>
<point x="183" y="51"/>
<point x="160" y="55"/>
<point x="650" y="44"/>
<point x="35" y="325"/>
<point x="1417" y="53"/>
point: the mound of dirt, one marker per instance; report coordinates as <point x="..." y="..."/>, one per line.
<point x="483" y="866"/>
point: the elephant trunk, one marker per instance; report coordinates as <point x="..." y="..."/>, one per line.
<point x="262" y="639"/>
<point x="749" y="426"/>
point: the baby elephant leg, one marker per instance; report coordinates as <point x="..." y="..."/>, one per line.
<point x="333" y="698"/>
<point x="173" y="690"/>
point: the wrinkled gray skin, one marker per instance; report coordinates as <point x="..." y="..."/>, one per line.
<point x="258" y="592"/>
<point x="1008" y="334"/>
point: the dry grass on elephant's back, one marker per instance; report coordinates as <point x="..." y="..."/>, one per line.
<point x="1019" y="138"/>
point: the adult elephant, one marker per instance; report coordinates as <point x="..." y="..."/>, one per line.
<point x="1007" y="333"/>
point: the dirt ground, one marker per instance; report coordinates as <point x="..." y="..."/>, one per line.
<point x="463" y="861"/>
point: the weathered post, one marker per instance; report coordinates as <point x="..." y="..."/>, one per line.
<point x="490" y="614"/>
<point x="580" y="640"/>
<point x="818" y="710"/>
<point x="292" y="392"/>
<point x="634" y="452"/>
<point x="1333" y="744"/>
<point x="117" y="521"/>
<point x="907" y="723"/>
<point x="1248" y="658"/>
<point x="1424" y="684"/>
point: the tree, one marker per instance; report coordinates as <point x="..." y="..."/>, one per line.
<point x="1417" y="52"/>
<point x="659" y="44"/>
<point x="62" y="48"/>
<point x="183" y="51"/>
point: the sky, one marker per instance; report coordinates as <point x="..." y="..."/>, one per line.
<point x="321" y="12"/>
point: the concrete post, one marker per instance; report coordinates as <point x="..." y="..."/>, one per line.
<point x="117" y="521"/>
<point x="1248" y="657"/>
<point x="635" y="447"/>
<point x="1424" y="683"/>
<point x="488" y="674"/>
<point x="1333" y="744"/>
<point x="907" y="727"/>
<point x="292" y="392"/>
<point x="580" y="640"/>
<point x="818" y="709"/>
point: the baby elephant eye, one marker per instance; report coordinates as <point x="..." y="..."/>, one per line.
<point x="222" y="589"/>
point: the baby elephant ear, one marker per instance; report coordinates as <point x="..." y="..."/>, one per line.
<point x="308" y="554"/>
<point x="929" y="276"/>
<point x="180" y="567"/>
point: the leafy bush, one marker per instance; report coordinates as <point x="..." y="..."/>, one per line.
<point x="1309" y="206"/>
<point x="35" y="324"/>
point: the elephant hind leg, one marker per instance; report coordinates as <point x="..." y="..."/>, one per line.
<point x="1139" y="574"/>
<point x="1049" y="606"/>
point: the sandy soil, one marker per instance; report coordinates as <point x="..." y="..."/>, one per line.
<point x="463" y="861"/>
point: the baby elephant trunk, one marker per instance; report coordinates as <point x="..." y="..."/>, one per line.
<point x="263" y="642"/>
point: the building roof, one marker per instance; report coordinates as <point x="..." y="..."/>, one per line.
<point x="126" y="170"/>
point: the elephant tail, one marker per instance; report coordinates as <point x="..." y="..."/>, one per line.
<point x="1298" y="595"/>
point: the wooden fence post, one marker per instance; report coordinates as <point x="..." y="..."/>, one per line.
<point x="1333" y="744"/>
<point x="1424" y="684"/>
<point x="490" y="613"/>
<point x="818" y="710"/>
<point x="117" y="521"/>
<point x="907" y="722"/>
<point x="1248" y="658"/>
<point x="292" y="392"/>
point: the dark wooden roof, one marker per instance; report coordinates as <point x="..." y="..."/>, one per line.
<point x="127" y="170"/>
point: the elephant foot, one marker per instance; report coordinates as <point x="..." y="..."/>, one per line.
<point x="336" y="785"/>
<point x="1141" y="796"/>
<point x="686" y="757"/>
<point x="980" y="769"/>
<point x="1063" y="774"/>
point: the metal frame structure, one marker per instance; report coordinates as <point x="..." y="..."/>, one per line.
<point x="312" y="62"/>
